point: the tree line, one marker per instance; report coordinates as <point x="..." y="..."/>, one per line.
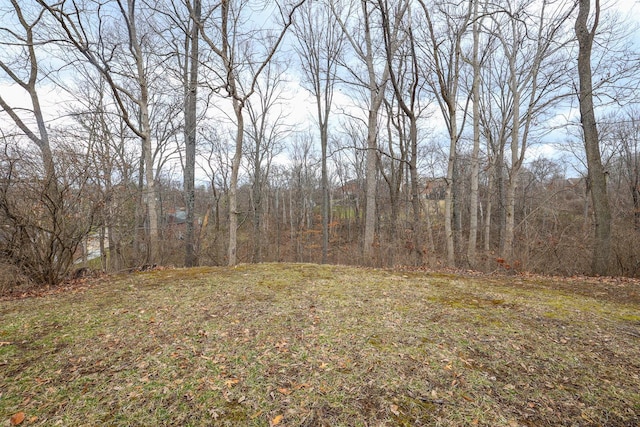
<point x="372" y="132"/>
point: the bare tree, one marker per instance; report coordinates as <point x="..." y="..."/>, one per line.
<point x="627" y="134"/>
<point x="320" y="45"/>
<point x="215" y="153"/>
<point x="112" y="151"/>
<point x="475" y="153"/>
<point x="366" y="45"/>
<point x="406" y="82"/>
<point x="42" y="213"/>
<point x="230" y="43"/>
<point x="445" y="66"/>
<point x="303" y="182"/>
<point x="265" y="132"/>
<point x="15" y="69"/>
<point x="125" y="65"/>
<point x="585" y="34"/>
<point x="536" y="73"/>
<point x="191" y="62"/>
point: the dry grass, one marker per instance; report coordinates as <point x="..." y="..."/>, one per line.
<point x="12" y="279"/>
<point x="308" y="345"/>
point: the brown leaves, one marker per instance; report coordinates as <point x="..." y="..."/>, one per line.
<point x="284" y="390"/>
<point x="276" y="420"/>
<point x="17" y="419"/>
<point x="231" y="382"/>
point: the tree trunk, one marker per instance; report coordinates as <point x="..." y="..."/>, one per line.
<point x="150" y="193"/>
<point x="512" y="181"/>
<point x="448" y="197"/>
<point x="415" y="193"/>
<point x="487" y="215"/>
<point x="233" y="185"/>
<point x="371" y="172"/>
<point x="145" y="135"/>
<point x="596" y="173"/>
<point x="509" y="230"/>
<point x="500" y="192"/>
<point x="475" y="163"/>
<point x="635" y="194"/>
<point x="256" y="195"/>
<point x="324" y="139"/>
<point x="376" y="96"/>
<point x="190" y="113"/>
<point x="140" y="212"/>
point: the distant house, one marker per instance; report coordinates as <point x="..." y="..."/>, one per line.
<point x="175" y="221"/>
<point x="176" y="216"/>
<point x="575" y="182"/>
<point x="350" y="189"/>
<point x="433" y="189"/>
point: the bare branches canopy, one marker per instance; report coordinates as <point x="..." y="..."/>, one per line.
<point x="490" y="135"/>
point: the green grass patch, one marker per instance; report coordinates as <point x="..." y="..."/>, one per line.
<point x="309" y="345"/>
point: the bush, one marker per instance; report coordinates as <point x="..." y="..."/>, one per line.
<point x="42" y="220"/>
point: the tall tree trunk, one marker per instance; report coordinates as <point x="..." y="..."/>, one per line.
<point x="635" y="194"/>
<point x="150" y="189"/>
<point x="448" y="197"/>
<point x="376" y="96"/>
<point x="139" y="239"/>
<point x="415" y="193"/>
<point x="475" y="163"/>
<point x="145" y="135"/>
<point x="487" y="215"/>
<point x="324" y="139"/>
<point x="190" y="113"/>
<point x="509" y="230"/>
<point x="408" y="107"/>
<point x="233" y="185"/>
<point x="257" y="207"/>
<point x="596" y="173"/>
<point x="447" y="68"/>
<point x="370" y="195"/>
<point x="500" y="192"/>
<point x="512" y="180"/>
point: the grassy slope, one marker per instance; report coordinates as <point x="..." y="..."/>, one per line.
<point x="311" y="345"/>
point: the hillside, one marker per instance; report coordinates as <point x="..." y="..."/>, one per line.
<point x="309" y="345"/>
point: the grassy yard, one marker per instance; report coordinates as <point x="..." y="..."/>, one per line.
<point x="308" y="345"/>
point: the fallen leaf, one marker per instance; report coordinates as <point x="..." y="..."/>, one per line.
<point x="231" y="382"/>
<point x="394" y="410"/>
<point x="284" y="391"/>
<point x="17" y="419"/>
<point x="303" y="385"/>
<point x="276" y="420"/>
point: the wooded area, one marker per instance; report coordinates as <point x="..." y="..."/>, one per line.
<point x="432" y="133"/>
